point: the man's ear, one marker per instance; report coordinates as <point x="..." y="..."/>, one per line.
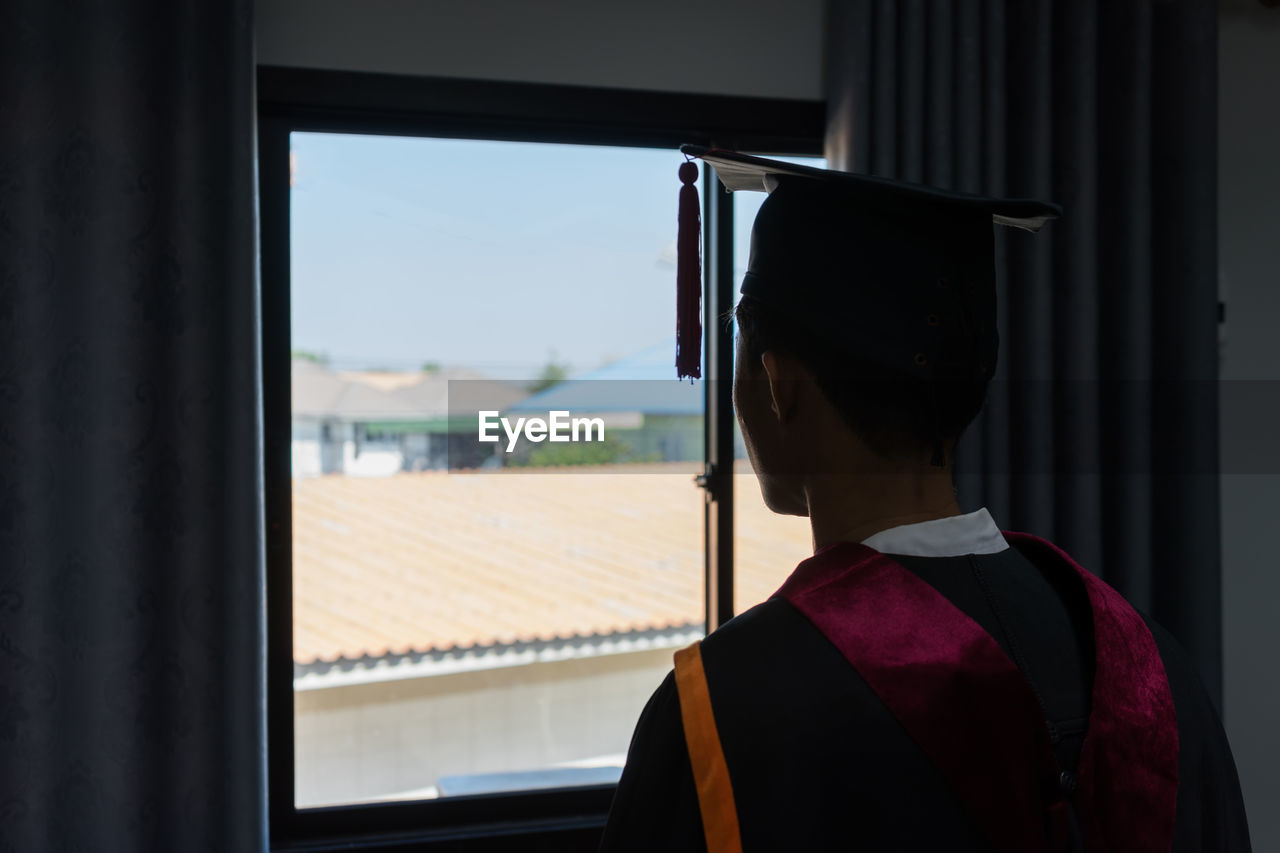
<point x="780" y="370"/>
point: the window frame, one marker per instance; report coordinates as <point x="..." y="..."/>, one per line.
<point x="293" y="99"/>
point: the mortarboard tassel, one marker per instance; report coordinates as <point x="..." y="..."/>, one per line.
<point x="689" y="277"/>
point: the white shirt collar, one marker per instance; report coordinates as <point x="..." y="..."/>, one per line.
<point x="975" y="533"/>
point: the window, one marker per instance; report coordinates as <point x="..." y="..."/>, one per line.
<point x="462" y="633"/>
<point x="468" y="617"/>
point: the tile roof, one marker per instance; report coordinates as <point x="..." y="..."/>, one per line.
<point x="318" y="392"/>
<point x="427" y="561"/>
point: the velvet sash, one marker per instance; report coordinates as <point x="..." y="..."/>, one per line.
<point x="975" y="716"/>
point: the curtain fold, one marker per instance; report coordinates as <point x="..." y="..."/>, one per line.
<point x="131" y="597"/>
<point x="1101" y="428"/>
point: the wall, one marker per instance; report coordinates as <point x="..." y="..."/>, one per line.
<point x="370" y="740"/>
<point x="1249" y="259"/>
<point x="747" y="47"/>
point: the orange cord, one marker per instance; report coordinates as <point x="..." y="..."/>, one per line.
<point x="710" y="773"/>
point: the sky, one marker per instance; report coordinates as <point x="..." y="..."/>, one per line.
<point x="497" y="256"/>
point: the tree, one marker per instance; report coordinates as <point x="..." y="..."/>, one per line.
<point x="553" y="373"/>
<point x="608" y="452"/>
<point x="320" y="358"/>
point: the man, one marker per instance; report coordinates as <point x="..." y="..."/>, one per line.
<point x="923" y="682"/>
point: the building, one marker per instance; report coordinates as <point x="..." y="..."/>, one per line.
<point x="647" y="417"/>
<point x="376" y="423"/>
<point x="460" y="632"/>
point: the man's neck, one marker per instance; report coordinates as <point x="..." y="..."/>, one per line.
<point x="849" y="509"/>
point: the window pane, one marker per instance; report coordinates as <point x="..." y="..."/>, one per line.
<point x="767" y="546"/>
<point x="468" y="619"/>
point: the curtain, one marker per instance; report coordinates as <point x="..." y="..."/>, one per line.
<point x="1101" y="429"/>
<point x="131" y="614"/>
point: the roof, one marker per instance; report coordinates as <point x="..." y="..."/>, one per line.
<point x="433" y="561"/>
<point x="642" y="382"/>
<point x="375" y="396"/>
<point x="318" y="392"/>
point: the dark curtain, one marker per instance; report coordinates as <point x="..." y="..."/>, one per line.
<point x="1101" y="430"/>
<point x="131" y="666"/>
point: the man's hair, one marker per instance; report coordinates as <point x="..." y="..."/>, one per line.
<point x="898" y="416"/>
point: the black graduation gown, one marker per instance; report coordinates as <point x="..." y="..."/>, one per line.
<point x="818" y="762"/>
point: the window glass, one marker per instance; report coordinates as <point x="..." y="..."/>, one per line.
<point x="474" y="615"/>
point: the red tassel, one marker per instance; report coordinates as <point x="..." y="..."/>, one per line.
<point x="689" y="277"/>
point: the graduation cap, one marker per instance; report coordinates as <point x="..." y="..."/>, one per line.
<point x="897" y="273"/>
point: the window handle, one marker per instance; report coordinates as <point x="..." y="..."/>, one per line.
<point x="709" y="479"/>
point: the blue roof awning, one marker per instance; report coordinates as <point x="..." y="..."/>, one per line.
<point x="643" y="382"/>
